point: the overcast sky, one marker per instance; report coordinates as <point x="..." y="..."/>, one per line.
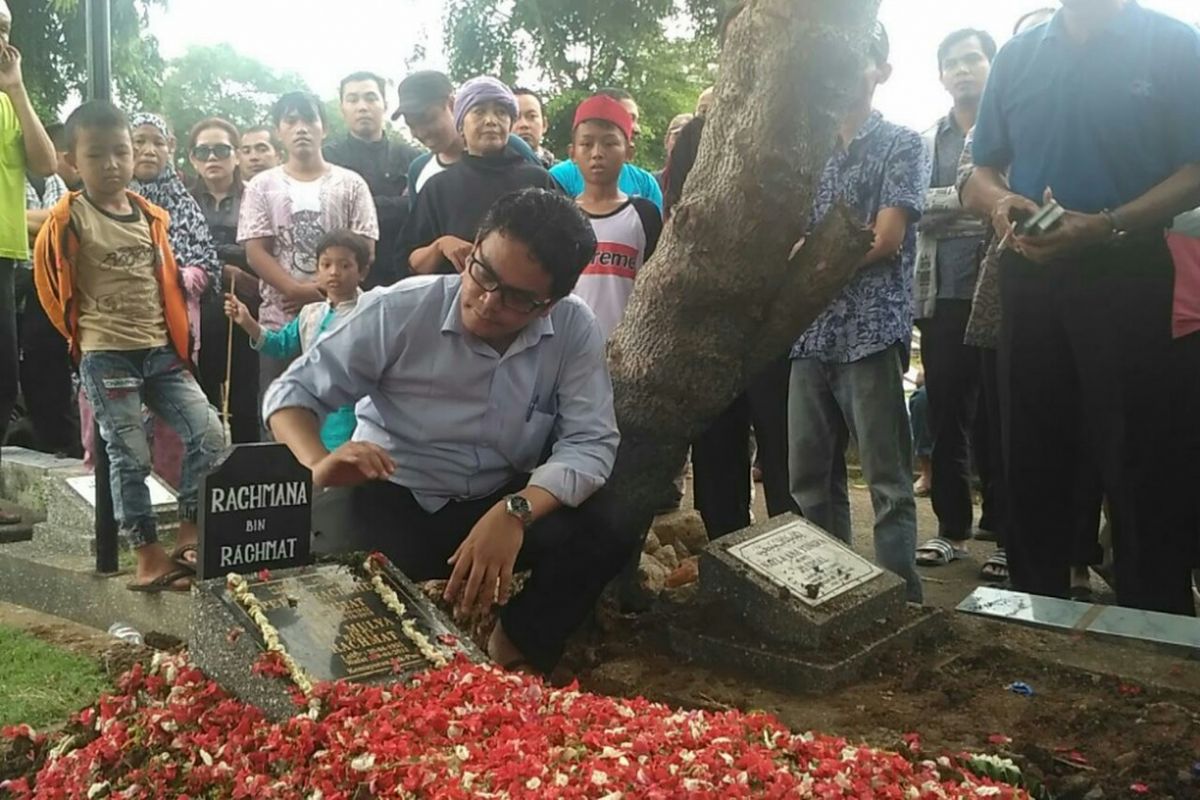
<point x="324" y="41"/>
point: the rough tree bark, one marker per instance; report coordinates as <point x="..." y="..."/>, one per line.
<point x="720" y="298"/>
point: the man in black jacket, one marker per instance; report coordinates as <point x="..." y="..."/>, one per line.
<point x="382" y="162"/>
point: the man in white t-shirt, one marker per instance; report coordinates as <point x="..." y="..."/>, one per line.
<point x="286" y="210"/>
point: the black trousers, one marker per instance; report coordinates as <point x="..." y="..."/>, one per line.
<point x="572" y="553"/>
<point x="1088" y="378"/>
<point x="46" y="368"/>
<point x="214" y="341"/>
<point x="9" y="369"/>
<point x="721" y="456"/>
<point x="768" y="397"/>
<point x="952" y="381"/>
<point x="989" y="449"/>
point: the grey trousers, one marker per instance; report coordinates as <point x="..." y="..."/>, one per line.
<point x="828" y="403"/>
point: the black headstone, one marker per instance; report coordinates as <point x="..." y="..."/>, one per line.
<point x="255" y="512"/>
<point x="337" y="628"/>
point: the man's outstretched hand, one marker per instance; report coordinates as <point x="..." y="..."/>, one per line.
<point x="484" y="562"/>
<point x="353" y="463"/>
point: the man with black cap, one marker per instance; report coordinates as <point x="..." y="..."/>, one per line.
<point x="848" y="367"/>
<point x="425" y="100"/>
<point x="382" y="162"/>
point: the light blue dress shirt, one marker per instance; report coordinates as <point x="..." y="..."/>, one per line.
<point x="459" y="419"/>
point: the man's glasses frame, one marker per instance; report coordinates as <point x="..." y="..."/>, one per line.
<point x="519" y="300"/>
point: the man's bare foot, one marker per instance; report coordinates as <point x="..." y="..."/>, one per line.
<point x="924" y="482"/>
<point x="185" y="544"/>
<point x="501" y="650"/>
<point x="153" y="563"/>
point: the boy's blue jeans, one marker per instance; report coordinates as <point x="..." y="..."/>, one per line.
<point x="117" y="384"/>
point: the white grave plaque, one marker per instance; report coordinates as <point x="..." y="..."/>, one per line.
<point x="160" y="493"/>
<point x="809" y="563"/>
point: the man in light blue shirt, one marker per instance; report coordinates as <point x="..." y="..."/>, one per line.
<point x="485" y="429"/>
<point x="634" y="181"/>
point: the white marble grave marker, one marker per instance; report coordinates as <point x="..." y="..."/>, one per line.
<point x="160" y="493"/>
<point x="805" y="560"/>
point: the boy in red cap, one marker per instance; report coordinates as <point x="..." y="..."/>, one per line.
<point x="627" y="228"/>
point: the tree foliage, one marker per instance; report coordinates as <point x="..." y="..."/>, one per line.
<point x="219" y="81"/>
<point x="52" y="38"/>
<point x="661" y="51"/>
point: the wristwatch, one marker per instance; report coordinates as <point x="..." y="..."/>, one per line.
<point x="518" y="506"/>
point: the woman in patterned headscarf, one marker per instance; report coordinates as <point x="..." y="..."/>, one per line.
<point x="155" y="179"/>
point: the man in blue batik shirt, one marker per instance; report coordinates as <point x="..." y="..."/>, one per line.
<point x="1099" y="109"/>
<point x="847" y="368"/>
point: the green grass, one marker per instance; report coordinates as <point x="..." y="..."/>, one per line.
<point x="42" y="684"/>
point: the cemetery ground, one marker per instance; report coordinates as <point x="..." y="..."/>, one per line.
<point x="1105" y="719"/>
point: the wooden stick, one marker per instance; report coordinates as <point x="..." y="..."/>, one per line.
<point x="228" y="365"/>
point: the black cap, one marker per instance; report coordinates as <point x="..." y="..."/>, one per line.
<point x="420" y="90"/>
<point x="881" y="46"/>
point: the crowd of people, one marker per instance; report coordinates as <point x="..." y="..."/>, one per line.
<point x="426" y="329"/>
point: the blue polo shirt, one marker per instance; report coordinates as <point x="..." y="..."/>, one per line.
<point x="1102" y="122"/>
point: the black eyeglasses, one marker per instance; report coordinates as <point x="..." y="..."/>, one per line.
<point x="519" y="300"/>
<point x="203" y="152"/>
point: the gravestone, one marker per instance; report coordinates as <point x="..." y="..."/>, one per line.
<point x="61" y="492"/>
<point x="791" y="605"/>
<point x="255" y="512"/>
<point x="792" y="581"/>
<point x="330" y="620"/>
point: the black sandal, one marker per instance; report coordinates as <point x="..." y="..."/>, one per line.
<point x="164" y="583"/>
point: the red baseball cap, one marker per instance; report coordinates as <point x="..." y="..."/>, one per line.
<point x="603" y="107"/>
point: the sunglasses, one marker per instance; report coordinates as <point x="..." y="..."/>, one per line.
<point x="203" y="152"/>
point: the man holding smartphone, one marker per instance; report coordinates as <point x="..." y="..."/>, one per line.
<point x="1096" y="110"/>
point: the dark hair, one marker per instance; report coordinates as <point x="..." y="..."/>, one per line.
<point x="214" y="122"/>
<point x="1021" y="19"/>
<point x="363" y="75"/>
<point x="985" y="40"/>
<point x="679" y="165"/>
<point x="305" y="104"/>
<point x="58" y="134"/>
<point x="94" y="115"/>
<point x="521" y="90"/>
<point x="551" y="226"/>
<point x="344" y="237"/>
<point x="267" y="129"/>
<point x="615" y="93"/>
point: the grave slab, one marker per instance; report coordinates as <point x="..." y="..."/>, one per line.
<point x="834" y="666"/>
<point x="791" y="582"/>
<point x="330" y="620"/>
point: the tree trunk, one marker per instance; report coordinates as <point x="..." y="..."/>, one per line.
<point x="720" y="298"/>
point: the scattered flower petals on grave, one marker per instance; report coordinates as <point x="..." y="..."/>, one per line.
<point x="462" y="731"/>
<point x="1139" y="788"/>
<point x="999" y="739"/>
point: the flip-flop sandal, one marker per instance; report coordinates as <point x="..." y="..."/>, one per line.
<point x="164" y="583"/>
<point x="938" y="552"/>
<point x="177" y="555"/>
<point x="995" y="569"/>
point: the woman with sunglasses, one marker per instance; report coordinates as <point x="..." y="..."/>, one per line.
<point x="212" y="150"/>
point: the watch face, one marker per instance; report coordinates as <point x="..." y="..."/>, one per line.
<point x="519" y="506"/>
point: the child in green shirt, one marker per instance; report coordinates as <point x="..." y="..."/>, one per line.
<point x="342" y="261"/>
